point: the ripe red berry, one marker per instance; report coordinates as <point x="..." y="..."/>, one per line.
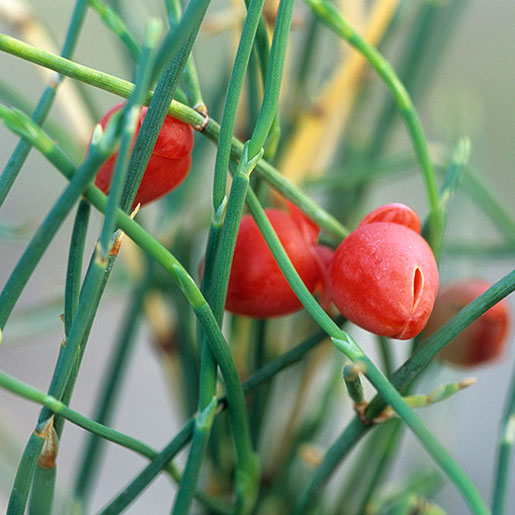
<point x="484" y="339"/>
<point x="257" y="287"/>
<point x="396" y="213"/>
<point x="168" y="165"/>
<point x="384" y="278"/>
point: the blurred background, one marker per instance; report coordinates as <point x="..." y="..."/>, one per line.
<point x="469" y="91"/>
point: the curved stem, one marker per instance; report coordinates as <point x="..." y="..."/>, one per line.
<point x="333" y="19"/>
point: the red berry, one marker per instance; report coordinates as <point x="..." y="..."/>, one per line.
<point x="484" y="339"/>
<point x="257" y="287"/>
<point x="384" y="278"/>
<point x="168" y="165"/>
<point x="396" y="213"/>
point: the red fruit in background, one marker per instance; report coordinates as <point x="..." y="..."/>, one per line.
<point x="168" y="165"/>
<point x="396" y="213"/>
<point x="384" y="278"/>
<point x="324" y="255"/>
<point x="481" y="341"/>
<point x="257" y="287"/>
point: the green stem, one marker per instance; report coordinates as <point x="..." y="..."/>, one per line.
<point x="124" y="88"/>
<point x="203" y="425"/>
<point x="25" y="473"/>
<point x="111" y="386"/>
<point x="486" y="200"/>
<point x="190" y="78"/>
<point x="216" y="269"/>
<point x="74" y="269"/>
<point x="258" y="402"/>
<point x="22" y="150"/>
<point x="113" y="21"/>
<point x="157" y="111"/>
<point x="43" y="490"/>
<point x="129" y="119"/>
<point x="274" y="76"/>
<point x="333" y="19"/>
<point x="158" y="463"/>
<point x="505" y="445"/>
<point x="43" y="487"/>
<point x="179" y="36"/>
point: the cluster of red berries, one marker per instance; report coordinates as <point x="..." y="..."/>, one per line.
<point x="383" y="276"/>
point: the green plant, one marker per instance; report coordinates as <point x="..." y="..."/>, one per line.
<point x="257" y="435"/>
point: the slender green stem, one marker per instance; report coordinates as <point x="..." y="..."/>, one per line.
<point x="112" y="383"/>
<point x="178" y="37"/>
<point x="43" y="490"/>
<point x="247" y="472"/>
<point x="22" y="150"/>
<point x="190" y="78"/>
<point x="203" y="425"/>
<point x="130" y="116"/>
<point x="333" y="19"/>
<point x="74" y="269"/>
<point x="113" y="21"/>
<point x="143" y="479"/>
<point x="385" y="349"/>
<point x="258" y="402"/>
<point x="505" y="445"/>
<point x="25" y="473"/>
<point x="43" y="487"/>
<point x="231" y="101"/>
<point x="486" y="200"/>
<point x="273" y="78"/>
<point x="218" y="257"/>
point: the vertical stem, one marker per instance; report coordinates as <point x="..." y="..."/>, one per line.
<point x="24" y="475"/>
<point x="110" y="389"/>
<point x="74" y="269"/>
<point x="505" y="445"/>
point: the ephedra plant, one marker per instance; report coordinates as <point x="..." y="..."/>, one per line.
<point x="228" y="197"/>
